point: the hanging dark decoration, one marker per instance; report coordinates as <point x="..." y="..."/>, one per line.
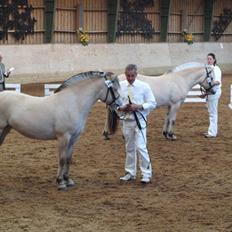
<point x="220" y="25"/>
<point x="16" y="16"/>
<point x="133" y="19"/>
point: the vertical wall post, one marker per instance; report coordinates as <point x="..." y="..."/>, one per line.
<point x="164" y="17"/>
<point x="49" y="20"/>
<point x="79" y="18"/>
<point x="208" y="19"/>
<point x="112" y="19"/>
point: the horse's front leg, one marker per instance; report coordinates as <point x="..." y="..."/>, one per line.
<point x="68" y="181"/>
<point x="106" y="126"/>
<point x="63" y="143"/>
<point x="3" y="133"/>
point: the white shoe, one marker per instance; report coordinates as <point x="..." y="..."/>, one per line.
<point x="146" y="180"/>
<point x="209" y="136"/>
<point x="127" y="177"/>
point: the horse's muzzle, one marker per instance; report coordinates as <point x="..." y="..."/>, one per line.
<point x="114" y="107"/>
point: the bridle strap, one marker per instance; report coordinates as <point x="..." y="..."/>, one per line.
<point x="110" y="90"/>
<point x="203" y="89"/>
<point x="207" y="75"/>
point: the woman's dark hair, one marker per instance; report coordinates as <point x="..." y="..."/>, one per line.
<point x="214" y="57"/>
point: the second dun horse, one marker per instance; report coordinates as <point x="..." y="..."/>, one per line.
<point x="61" y="116"/>
<point x="170" y="90"/>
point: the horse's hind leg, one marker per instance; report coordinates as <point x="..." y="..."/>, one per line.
<point x="3" y="133"/>
<point x="165" y="127"/>
<point x="171" y="118"/>
<point x="106" y="126"/>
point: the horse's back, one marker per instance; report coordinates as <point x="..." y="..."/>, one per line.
<point x="188" y="65"/>
<point x="8" y="95"/>
<point x="160" y="86"/>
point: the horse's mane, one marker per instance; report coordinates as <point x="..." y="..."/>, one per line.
<point x="186" y="66"/>
<point x="75" y="78"/>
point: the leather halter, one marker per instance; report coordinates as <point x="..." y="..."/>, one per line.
<point x="203" y="89"/>
<point x="109" y="85"/>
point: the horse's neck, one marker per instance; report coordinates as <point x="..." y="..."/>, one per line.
<point x="191" y="78"/>
<point x="87" y="94"/>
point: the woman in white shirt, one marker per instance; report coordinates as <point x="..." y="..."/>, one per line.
<point x="212" y="100"/>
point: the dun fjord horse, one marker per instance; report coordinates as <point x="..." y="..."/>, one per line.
<point x="61" y="116"/>
<point x="171" y="89"/>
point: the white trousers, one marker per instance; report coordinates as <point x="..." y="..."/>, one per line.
<point x="212" y="104"/>
<point x="136" y="145"/>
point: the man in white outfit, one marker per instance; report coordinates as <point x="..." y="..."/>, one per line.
<point x="212" y="100"/>
<point x="138" y="100"/>
<point x="3" y="74"/>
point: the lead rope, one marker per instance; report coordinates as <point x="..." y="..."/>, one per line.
<point x="141" y="130"/>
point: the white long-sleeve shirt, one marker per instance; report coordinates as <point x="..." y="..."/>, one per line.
<point x="218" y="77"/>
<point x="140" y="93"/>
<point x="216" y="88"/>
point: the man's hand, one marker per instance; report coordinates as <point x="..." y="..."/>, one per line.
<point x="134" y="107"/>
<point x="203" y="95"/>
<point x="130" y="107"/>
<point x="124" y="108"/>
<point x="216" y="83"/>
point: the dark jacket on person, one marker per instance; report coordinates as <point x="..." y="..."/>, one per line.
<point x="3" y="75"/>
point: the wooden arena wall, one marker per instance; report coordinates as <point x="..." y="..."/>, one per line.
<point x="184" y="14"/>
<point x="38" y="36"/>
<point x="219" y="5"/>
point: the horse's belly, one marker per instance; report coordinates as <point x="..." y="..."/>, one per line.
<point x="35" y="129"/>
<point x="36" y="135"/>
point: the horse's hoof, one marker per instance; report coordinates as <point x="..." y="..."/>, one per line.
<point x="174" y="138"/>
<point x="106" y="135"/>
<point x="61" y="184"/>
<point x="62" y="187"/>
<point x="171" y="137"/>
<point x="165" y="134"/>
<point x="70" y="183"/>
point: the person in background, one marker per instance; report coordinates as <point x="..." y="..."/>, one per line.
<point x="3" y="74"/>
<point x="138" y="100"/>
<point x="212" y="100"/>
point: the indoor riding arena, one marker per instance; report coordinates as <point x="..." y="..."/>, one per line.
<point x="47" y="42"/>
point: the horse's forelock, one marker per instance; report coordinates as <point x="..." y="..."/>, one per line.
<point x="209" y="67"/>
<point x="113" y="77"/>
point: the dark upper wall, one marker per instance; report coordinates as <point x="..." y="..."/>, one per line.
<point x="58" y="21"/>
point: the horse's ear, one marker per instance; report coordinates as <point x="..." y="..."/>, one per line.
<point x="110" y="74"/>
<point x="211" y="67"/>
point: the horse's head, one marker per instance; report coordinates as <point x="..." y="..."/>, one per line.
<point x="110" y="95"/>
<point x="208" y="82"/>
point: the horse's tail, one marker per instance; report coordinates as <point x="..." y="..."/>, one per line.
<point x="112" y="118"/>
